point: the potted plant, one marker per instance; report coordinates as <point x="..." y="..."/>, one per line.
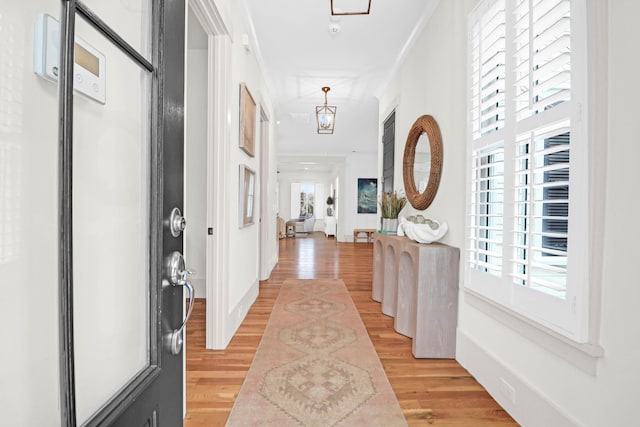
<point x="391" y="204"/>
<point x="329" y="206"/>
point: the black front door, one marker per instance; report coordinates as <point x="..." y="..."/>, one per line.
<point x="121" y="80"/>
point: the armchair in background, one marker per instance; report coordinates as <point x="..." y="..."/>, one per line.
<point x="308" y="224"/>
<point x="305" y="224"/>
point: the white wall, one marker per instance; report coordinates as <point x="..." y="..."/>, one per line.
<point x="549" y="390"/>
<point x="620" y="321"/>
<point x="28" y="225"/>
<point x="421" y="87"/>
<point x="243" y="243"/>
<point x="195" y="193"/>
<point x="357" y="165"/>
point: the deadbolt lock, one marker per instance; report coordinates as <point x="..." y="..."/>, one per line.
<point x="177" y="223"/>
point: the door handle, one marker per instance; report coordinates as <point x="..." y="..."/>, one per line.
<point x="178" y="276"/>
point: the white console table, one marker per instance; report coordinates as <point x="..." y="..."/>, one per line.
<point x="417" y="284"/>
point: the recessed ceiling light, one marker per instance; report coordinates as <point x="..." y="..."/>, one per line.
<point x="334" y="29"/>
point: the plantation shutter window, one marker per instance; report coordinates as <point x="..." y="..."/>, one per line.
<point x="526" y="209"/>
<point x="488" y="72"/>
<point x="541" y="210"/>
<point x="542" y="59"/>
<point x="486" y="231"/>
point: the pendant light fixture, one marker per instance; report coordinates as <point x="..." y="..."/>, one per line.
<point x="326" y="115"/>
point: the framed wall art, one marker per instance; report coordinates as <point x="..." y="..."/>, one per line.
<point x="247" y="121"/>
<point x="246" y="196"/>
<point x="367" y="195"/>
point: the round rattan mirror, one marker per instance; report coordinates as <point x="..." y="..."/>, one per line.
<point x="425" y="125"/>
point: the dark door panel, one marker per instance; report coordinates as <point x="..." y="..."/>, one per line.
<point x="388" y="144"/>
<point x="121" y="177"/>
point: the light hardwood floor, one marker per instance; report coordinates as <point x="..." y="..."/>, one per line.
<point x="430" y="391"/>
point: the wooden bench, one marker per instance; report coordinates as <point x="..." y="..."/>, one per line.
<point x="368" y="232"/>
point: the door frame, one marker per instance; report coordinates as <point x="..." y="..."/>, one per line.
<point x="265" y="219"/>
<point x="216" y="25"/>
<point x="150" y="388"/>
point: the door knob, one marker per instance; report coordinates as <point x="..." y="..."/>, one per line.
<point x="178" y="276"/>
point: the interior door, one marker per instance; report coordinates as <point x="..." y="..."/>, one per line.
<point x="388" y="144"/>
<point x="121" y="191"/>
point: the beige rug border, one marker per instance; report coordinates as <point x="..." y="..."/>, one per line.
<point x="382" y="409"/>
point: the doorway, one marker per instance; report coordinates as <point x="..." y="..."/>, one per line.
<point x="195" y="162"/>
<point x="215" y="92"/>
<point x="267" y="227"/>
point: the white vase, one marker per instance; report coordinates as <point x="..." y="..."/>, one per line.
<point x="390" y="225"/>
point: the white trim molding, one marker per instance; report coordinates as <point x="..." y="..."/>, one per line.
<point x="584" y="356"/>
<point x="213" y="18"/>
<point x="218" y="156"/>
<point x="217" y="24"/>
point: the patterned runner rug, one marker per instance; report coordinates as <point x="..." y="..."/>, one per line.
<point x="316" y="365"/>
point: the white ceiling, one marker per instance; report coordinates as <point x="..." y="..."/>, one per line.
<point x="299" y="55"/>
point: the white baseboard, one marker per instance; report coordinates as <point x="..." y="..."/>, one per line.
<point x="239" y="312"/>
<point x="525" y="404"/>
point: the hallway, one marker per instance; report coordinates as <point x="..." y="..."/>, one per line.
<point x="434" y="392"/>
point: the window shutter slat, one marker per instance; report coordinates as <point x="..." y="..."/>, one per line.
<point x="542" y="56"/>
<point x="485" y="233"/>
<point x="542" y="201"/>
<point x="488" y="80"/>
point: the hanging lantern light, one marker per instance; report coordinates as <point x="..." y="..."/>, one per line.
<point x="326" y="115"/>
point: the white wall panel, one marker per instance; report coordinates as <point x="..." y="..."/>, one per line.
<point x="433" y="81"/>
<point x="28" y="224"/>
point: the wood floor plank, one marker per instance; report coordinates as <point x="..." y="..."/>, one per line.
<point x="430" y="391"/>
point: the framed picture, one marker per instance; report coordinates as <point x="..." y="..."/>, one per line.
<point x="247" y="121"/>
<point x="246" y="196"/>
<point x="367" y="195"/>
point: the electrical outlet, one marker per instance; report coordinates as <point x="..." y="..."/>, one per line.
<point x="507" y="390"/>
